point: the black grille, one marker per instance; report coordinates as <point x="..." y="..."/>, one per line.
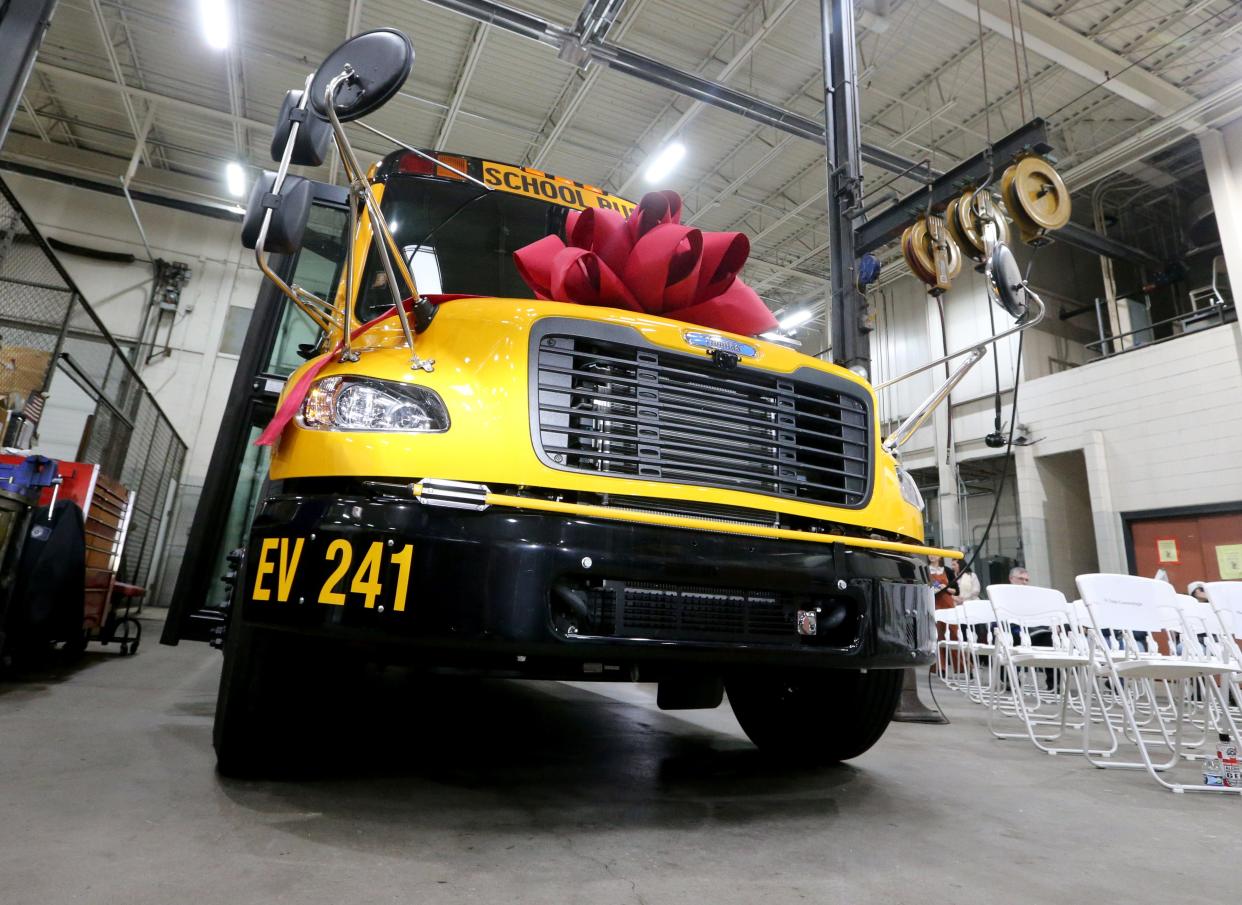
<point x="674" y="612"/>
<point x="632" y="410"/>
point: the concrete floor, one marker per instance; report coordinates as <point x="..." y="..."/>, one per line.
<point x="551" y="793"/>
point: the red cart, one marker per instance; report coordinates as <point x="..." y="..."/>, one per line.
<point x="108" y="605"/>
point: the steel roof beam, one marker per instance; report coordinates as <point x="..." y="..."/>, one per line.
<point x="115" y="65"/>
<point x="738" y="102"/>
<point x="665" y="76"/>
<point x="34" y="116"/>
<point x="1220" y="105"/>
<point x="1078" y="53"/>
<point x="198" y="111"/>
<point x="139" y="146"/>
<point x="353" y="18"/>
<point x="767" y="157"/>
<point x="717" y="48"/>
<point x="473" y="55"/>
<point x="739" y="58"/>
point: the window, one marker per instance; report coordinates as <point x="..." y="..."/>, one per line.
<point x="458" y="238"/>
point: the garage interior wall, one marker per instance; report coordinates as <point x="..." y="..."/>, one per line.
<point x="1158" y="427"/>
<point x="1128" y="419"/>
<point x="192" y="383"/>
<point x="1065" y="522"/>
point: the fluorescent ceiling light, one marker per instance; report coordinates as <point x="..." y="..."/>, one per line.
<point x="781" y="339"/>
<point x="665" y="161"/>
<point x="235" y="178"/>
<point x="797" y="319"/>
<point x="216" y="19"/>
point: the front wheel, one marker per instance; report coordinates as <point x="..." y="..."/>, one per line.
<point x="247" y="706"/>
<point x="282" y="695"/>
<point x="815" y="716"/>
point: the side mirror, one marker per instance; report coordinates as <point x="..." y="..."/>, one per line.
<point x="1005" y="282"/>
<point x="290" y="213"/>
<point x="311" y="145"/>
<point x="378" y="63"/>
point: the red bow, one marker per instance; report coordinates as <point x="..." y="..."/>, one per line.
<point x="648" y="262"/>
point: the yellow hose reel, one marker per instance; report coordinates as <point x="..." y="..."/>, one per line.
<point x="1031" y="191"/>
<point x="1036" y="197"/>
<point x="931" y="253"/>
<point x="967" y="217"/>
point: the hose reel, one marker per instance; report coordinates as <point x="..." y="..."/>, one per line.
<point x="1036" y="197"/>
<point x="968" y="218"/>
<point x="931" y="253"/>
<point x="1032" y="194"/>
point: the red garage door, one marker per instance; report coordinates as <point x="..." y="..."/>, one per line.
<point x="1190" y="547"/>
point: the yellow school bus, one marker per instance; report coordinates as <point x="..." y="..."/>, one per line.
<point x="498" y="484"/>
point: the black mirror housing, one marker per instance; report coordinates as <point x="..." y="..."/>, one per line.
<point x="381" y="61"/>
<point x="1005" y="282"/>
<point x="311" y="146"/>
<point x="290" y="213"/>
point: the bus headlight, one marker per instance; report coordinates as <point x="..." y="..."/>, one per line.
<point x="350" y="403"/>
<point x="910" y="490"/>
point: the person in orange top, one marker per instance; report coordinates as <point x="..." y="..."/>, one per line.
<point x="944" y="587"/>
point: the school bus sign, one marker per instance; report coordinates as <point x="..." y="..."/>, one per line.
<point x="536" y="184"/>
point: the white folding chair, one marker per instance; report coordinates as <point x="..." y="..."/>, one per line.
<point x="1066" y="660"/>
<point x="950" y="655"/>
<point x="979" y="647"/>
<point x="1225" y="599"/>
<point x="1126" y="604"/>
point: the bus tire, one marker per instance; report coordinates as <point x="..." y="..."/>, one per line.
<point x="815" y="716"/>
<point x="246" y="729"/>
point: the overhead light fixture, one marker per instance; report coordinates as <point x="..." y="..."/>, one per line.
<point x="665" y="161"/>
<point x="797" y="319"/>
<point x="235" y="179"/>
<point x="781" y="339"/>
<point x="216" y="19"/>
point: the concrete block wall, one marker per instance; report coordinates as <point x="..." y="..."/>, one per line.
<point x="1159" y="426"/>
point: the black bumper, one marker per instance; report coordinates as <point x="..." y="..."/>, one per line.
<point x="515" y="588"/>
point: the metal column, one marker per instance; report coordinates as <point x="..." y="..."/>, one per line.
<point x="848" y="334"/>
<point x="22" y="26"/>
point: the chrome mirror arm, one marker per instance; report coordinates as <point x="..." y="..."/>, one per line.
<point x="915" y="419"/>
<point x="904" y="431"/>
<point x="385" y="245"/>
<point x="1030" y="320"/>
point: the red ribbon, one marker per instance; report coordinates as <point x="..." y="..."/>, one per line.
<point x="648" y="262"/>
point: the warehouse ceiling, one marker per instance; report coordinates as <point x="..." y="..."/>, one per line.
<point x="1124" y="84"/>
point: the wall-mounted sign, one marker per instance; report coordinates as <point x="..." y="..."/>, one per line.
<point x="1166" y="549"/>
<point x="1229" y="561"/>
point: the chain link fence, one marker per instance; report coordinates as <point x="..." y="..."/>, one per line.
<point x="98" y="409"/>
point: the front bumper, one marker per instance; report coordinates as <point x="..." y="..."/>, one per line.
<point x="508" y="586"/>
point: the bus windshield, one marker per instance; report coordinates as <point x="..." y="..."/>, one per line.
<point x="456" y="237"/>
